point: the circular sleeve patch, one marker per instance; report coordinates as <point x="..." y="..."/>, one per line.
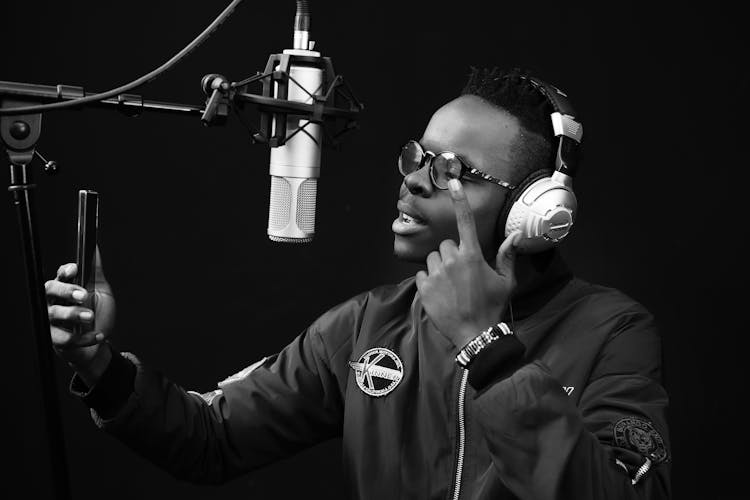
<point x="640" y="436"/>
<point x="378" y="371"/>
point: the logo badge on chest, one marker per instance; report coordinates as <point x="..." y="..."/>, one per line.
<point x="378" y="371"/>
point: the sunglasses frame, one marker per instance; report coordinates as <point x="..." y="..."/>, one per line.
<point x="429" y="156"/>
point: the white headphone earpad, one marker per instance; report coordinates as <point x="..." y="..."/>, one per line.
<point x="516" y="218"/>
<point x="544" y="203"/>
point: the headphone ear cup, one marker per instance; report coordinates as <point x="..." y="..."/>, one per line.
<point x="544" y="212"/>
<point x="513" y="197"/>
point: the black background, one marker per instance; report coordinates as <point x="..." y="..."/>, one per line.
<point x="202" y="292"/>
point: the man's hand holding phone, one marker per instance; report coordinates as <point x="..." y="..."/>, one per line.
<point x="72" y="310"/>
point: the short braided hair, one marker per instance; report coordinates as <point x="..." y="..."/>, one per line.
<point x="511" y="91"/>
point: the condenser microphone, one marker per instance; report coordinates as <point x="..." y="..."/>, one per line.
<point x="295" y="165"/>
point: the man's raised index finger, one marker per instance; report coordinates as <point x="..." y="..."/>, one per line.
<point x="467" y="229"/>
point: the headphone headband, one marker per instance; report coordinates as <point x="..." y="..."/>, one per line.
<point x="564" y="125"/>
<point x="543" y="207"/>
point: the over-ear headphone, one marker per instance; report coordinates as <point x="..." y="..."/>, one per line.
<point x="543" y="206"/>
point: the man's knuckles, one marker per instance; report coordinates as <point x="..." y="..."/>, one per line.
<point x="53" y="288"/>
<point x="59" y="313"/>
<point x="60" y="337"/>
<point x="66" y="272"/>
<point x="450" y="262"/>
<point x="56" y="289"/>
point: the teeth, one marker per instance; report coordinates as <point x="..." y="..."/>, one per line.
<point x="406" y="218"/>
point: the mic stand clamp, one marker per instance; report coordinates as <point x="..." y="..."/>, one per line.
<point x="220" y="94"/>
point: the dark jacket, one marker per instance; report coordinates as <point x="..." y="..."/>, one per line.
<point x="581" y="415"/>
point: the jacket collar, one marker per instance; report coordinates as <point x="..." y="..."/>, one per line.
<point x="544" y="275"/>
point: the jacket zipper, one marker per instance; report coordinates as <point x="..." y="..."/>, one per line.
<point x="461" y="434"/>
<point x="643" y="469"/>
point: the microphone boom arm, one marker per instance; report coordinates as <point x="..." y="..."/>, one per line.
<point x="131" y="104"/>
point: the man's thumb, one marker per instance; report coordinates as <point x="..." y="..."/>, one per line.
<point x="506" y="254"/>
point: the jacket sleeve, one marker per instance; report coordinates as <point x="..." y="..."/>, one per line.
<point x="268" y="411"/>
<point x="614" y="445"/>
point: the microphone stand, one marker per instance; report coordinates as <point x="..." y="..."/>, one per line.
<point x="20" y="133"/>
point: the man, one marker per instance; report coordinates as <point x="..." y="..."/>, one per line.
<point x="491" y="374"/>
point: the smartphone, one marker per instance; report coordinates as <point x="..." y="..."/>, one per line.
<point x="88" y="225"/>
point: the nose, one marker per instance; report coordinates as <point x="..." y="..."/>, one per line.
<point x="419" y="183"/>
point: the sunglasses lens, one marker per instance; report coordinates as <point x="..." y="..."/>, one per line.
<point x="410" y="158"/>
<point x="445" y="166"/>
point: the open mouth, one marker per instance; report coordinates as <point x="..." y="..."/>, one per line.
<point x="407" y="214"/>
<point x="406" y="223"/>
<point x="407" y="219"/>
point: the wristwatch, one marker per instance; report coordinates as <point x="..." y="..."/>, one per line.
<point x="468" y="352"/>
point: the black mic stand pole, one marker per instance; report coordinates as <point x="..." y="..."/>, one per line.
<point x="20" y="134"/>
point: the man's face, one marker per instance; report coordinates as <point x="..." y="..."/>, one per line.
<point x="482" y="135"/>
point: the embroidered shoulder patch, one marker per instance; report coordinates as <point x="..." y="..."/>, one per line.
<point x="639" y="435"/>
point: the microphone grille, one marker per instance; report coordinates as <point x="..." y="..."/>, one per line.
<point x="281" y="200"/>
<point x="306" y="205"/>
